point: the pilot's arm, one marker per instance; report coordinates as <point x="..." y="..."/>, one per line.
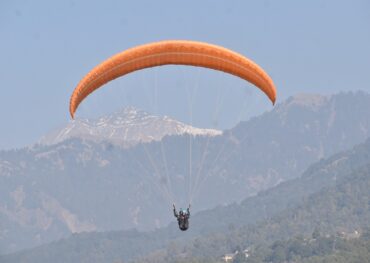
<point x="174" y="211"/>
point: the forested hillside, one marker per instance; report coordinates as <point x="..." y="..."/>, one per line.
<point x="332" y="195"/>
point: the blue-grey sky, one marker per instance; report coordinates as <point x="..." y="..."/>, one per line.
<point x="319" y="46"/>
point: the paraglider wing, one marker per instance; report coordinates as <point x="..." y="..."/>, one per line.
<point x="175" y="52"/>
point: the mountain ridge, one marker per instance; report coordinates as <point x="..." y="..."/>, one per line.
<point x="56" y="190"/>
<point x="329" y="181"/>
<point x="126" y="127"/>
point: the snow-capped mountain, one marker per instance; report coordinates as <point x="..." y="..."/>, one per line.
<point x="48" y="192"/>
<point x="126" y="127"/>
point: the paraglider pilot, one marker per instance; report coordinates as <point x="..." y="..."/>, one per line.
<point x="182" y="217"/>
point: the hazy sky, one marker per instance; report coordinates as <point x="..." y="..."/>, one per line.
<point x="46" y="46"/>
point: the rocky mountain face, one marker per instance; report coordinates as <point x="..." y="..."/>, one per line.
<point x="77" y="185"/>
<point x="126" y="127"/>
<point x="331" y="195"/>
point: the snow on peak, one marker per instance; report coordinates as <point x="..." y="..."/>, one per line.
<point x="128" y="126"/>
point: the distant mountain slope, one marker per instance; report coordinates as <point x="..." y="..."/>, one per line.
<point x="342" y="207"/>
<point x="126" y="127"/>
<point x="323" y="174"/>
<point x="48" y="192"/>
<point x="332" y="195"/>
<point x="300" y="131"/>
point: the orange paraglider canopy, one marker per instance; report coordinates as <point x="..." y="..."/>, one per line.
<point x="175" y="52"/>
